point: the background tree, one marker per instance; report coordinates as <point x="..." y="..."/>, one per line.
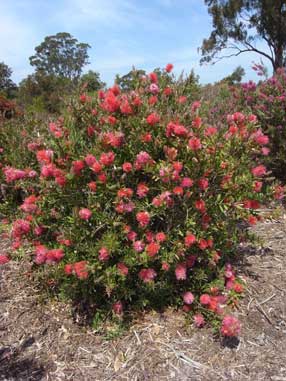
<point x="239" y="24"/>
<point x="235" y="77"/>
<point x="60" y="55"/>
<point x="7" y="86"/>
<point x="128" y="81"/>
<point x="91" y="81"/>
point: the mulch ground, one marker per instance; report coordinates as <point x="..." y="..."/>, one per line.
<point x="40" y="340"/>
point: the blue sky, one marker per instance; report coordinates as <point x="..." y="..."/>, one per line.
<point x="122" y="33"/>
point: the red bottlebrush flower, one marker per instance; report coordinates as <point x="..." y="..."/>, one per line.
<point x="77" y="166"/>
<point x="152" y="101"/>
<point x="142" y="190"/>
<point x="179" y="130"/>
<point x="102" y="178"/>
<point x="147" y="275"/>
<point x="197" y="122"/>
<point x="83" y="98"/>
<point x="181" y="271"/>
<point x="200" y="205"/>
<point x="199" y="320"/>
<point x="125" y="193"/>
<point x="203" y="184"/>
<point x="143" y="218"/>
<point x="153" y="77"/>
<point x="257" y="185"/>
<point x="195" y="144"/>
<point x="122" y="269"/>
<point x="258" y="171"/>
<point x="160" y="237"/>
<point x="103" y="254"/>
<point x="54" y="256"/>
<point x="146" y="138"/>
<point x="45" y="156"/>
<point x="209" y="131"/>
<point x="127" y="167"/>
<point x="68" y="269"/>
<point x="131" y="235"/>
<point x="149" y="236"/>
<point x="117" y="308"/>
<point x="178" y="191"/>
<point x="182" y="99"/>
<point x="205" y="299"/>
<point x="190" y="239"/>
<point x="203" y="244"/>
<point x="92" y="186"/>
<point x="85" y="214"/>
<point x="252" y="220"/>
<point x="80" y="268"/>
<point x="169" y="67"/>
<point x="230" y="326"/>
<point x="152" y="249"/>
<point x="125" y="107"/>
<point x="153" y="119"/>
<point x="107" y="158"/>
<point x="96" y="167"/>
<point x="188" y="297"/>
<point x="237" y="287"/>
<point x="4" y="259"/>
<point x="167" y="91"/>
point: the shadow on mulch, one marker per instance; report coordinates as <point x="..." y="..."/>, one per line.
<point x="15" y="366"/>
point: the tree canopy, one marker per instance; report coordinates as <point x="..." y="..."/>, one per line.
<point x="239" y="24"/>
<point x="60" y="55"/>
<point x="6" y="84"/>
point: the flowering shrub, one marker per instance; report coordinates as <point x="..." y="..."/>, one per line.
<point x="136" y="201"/>
<point x="268" y="101"/>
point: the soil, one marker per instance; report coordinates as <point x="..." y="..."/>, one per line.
<point x="40" y="340"/>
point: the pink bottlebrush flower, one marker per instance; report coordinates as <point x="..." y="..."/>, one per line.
<point x="147" y="275"/>
<point x="90" y="160"/>
<point x="186" y="182"/>
<point x="210" y="131"/>
<point x="195" y="106"/>
<point x="85" y="214"/>
<point x="154" y="88"/>
<point x="265" y="151"/>
<point x="188" y="297"/>
<point x="127" y="167"/>
<point x="142" y="159"/>
<point x="181" y="271"/>
<point x="205" y="299"/>
<point x="96" y="167"/>
<point x="4" y="259"/>
<point x="92" y="186"/>
<point x="165" y="266"/>
<point x="103" y="254"/>
<point x="54" y="256"/>
<point x="143" y="218"/>
<point x="131" y="235"/>
<point x="125" y="193"/>
<point x="231" y="326"/>
<point x="258" y="171"/>
<point x="138" y="246"/>
<point x="199" y="320"/>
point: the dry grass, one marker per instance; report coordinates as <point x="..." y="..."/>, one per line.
<point x="41" y="341"/>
